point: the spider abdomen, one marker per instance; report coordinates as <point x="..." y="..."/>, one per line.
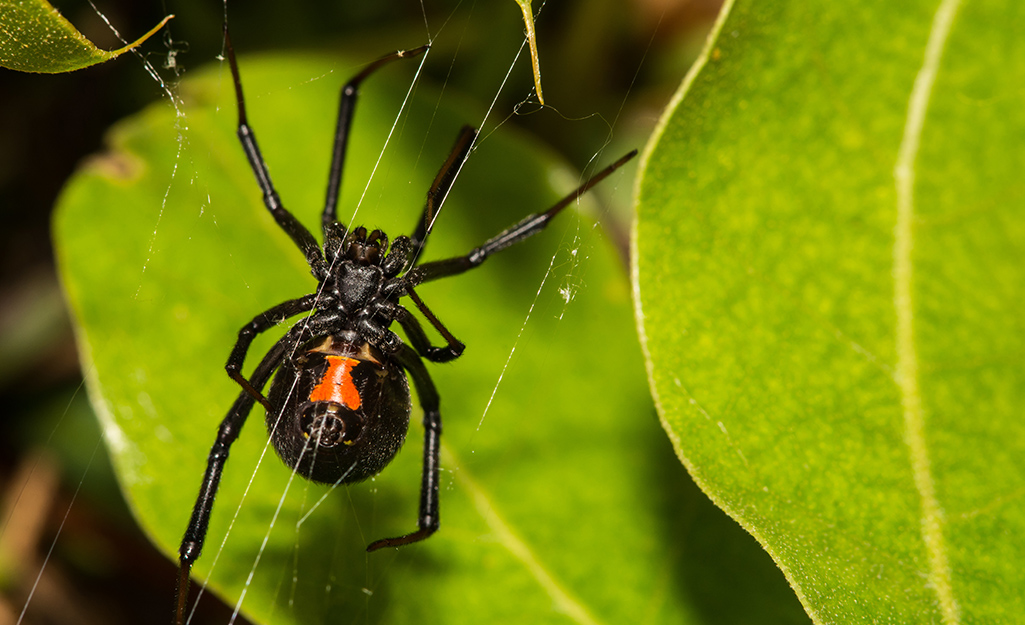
<point x="339" y="411"/>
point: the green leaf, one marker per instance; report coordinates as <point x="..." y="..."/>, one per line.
<point x="561" y="501"/>
<point x="829" y="274"/>
<point x="35" y="37"/>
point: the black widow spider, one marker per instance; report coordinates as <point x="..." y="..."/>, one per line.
<point x="338" y="408"/>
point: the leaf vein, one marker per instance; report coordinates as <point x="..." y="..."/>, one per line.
<point x="563" y="601"/>
<point x="907" y="357"/>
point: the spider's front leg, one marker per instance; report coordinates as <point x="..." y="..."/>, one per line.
<point x="292" y="227"/>
<point x="524" y="229"/>
<point x="442" y="185"/>
<point x="346" y="108"/>
<point x="428" y="518"/>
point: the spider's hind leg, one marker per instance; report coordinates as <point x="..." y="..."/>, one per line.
<point x="428" y="518"/>
<point x="227" y="433"/>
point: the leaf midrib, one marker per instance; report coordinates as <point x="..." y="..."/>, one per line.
<point x="514" y="544"/>
<point x="907" y="356"/>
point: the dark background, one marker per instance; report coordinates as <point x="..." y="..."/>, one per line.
<point x="601" y="61"/>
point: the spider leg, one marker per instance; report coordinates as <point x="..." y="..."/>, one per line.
<point x="227" y="432"/>
<point x="442" y="185"/>
<point x="527" y="227"/>
<point x="428" y="518"/>
<point x="417" y="336"/>
<point x="292" y="227"/>
<point x="261" y="323"/>
<point x="346" y="107"/>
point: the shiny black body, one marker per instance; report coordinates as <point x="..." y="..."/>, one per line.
<point x="338" y="408"/>
<point x="326" y="441"/>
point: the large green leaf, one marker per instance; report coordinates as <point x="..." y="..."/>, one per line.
<point x="830" y="273"/>
<point x="560" y="499"/>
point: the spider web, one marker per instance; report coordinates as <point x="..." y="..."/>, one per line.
<point x="565" y="267"/>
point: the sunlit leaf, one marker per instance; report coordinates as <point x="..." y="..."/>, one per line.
<point x="35" y="37"/>
<point x="838" y="349"/>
